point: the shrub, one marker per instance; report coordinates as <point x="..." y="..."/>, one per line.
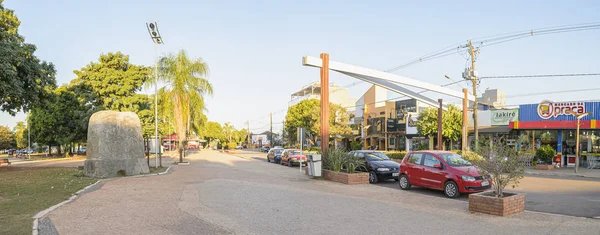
<point x="502" y="164"/>
<point x="351" y="164"/>
<point x="355" y="145"/>
<point x="545" y="153"/>
<point x="395" y="154"/>
<point x="471" y="156"/>
<point x="231" y="145"/>
<point x="333" y="159"/>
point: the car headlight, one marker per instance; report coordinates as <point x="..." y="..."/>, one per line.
<point x="468" y="178"/>
<point x="383" y="169"/>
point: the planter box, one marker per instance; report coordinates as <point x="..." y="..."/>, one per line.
<point x="345" y="178"/>
<point x="486" y="202"/>
<point x="544" y="167"/>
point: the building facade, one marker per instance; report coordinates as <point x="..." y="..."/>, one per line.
<point x="550" y="123"/>
<point x="337" y="95"/>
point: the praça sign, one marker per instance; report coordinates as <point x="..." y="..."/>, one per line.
<point x="548" y="109"/>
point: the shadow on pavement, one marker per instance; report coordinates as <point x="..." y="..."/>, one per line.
<point x="419" y="190"/>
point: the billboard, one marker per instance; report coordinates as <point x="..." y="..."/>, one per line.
<point x="503" y="117"/>
<point x="411" y="124"/>
<point x="558" y="111"/>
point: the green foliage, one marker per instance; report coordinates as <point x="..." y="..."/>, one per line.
<point x="24" y="79"/>
<point x="351" y="164"/>
<point x="231" y="145"/>
<point x="186" y="85"/>
<point x="214" y="130"/>
<point x="451" y="123"/>
<point x="307" y="114"/>
<point x="471" y="156"/>
<point x="6" y="138"/>
<point x="20" y="134"/>
<point x="112" y="83"/>
<point x="395" y="154"/>
<point x="545" y="153"/>
<point x="355" y="145"/>
<point x="501" y="162"/>
<point x="333" y="159"/>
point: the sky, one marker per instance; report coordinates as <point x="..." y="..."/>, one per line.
<point x="254" y="48"/>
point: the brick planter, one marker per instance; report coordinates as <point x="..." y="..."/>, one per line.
<point x="345" y="178"/>
<point x="544" y="167"/>
<point x="485" y="202"/>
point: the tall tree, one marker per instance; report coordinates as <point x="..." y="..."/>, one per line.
<point x="427" y="123"/>
<point x="307" y="114"/>
<point x="24" y="79"/>
<point x="229" y="131"/>
<point x="6" y="138"/>
<point x="213" y="130"/>
<point x="186" y="82"/>
<point x="112" y="83"/>
<point x="20" y="133"/>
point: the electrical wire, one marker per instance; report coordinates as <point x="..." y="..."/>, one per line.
<point x="541" y="76"/>
<point x="501" y="38"/>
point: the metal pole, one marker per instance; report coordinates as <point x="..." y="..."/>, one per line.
<point x="156" y="150"/>
<point x="439" y="134"/>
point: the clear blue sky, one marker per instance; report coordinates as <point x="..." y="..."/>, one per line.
<point x="254" y="48"/>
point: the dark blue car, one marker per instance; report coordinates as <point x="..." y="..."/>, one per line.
<point x="274" y="155"/>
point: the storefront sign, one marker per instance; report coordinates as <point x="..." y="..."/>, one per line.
<point x="548" y="109"/>
<point x="503" y="117"/>
<point x="411" y="124"/>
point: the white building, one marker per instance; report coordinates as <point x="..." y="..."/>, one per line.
<point x="337" y="95"/>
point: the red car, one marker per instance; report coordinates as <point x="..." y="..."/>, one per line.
<point x="291" y="157"/>
<point x="441" y="170"/>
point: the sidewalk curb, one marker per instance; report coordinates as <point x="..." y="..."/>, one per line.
<point x="43" y="213"/>
<point x="562" y="175"/>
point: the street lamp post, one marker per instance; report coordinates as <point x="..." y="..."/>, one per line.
<point x="579" y="116"/>
<point x="157" y="39"/>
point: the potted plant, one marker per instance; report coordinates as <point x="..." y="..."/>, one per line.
<point x="501" y="164"/>
<point x="339" y="167"/>
<point x="545" y="154"/>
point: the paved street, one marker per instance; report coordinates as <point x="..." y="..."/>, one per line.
<point x="575" y="196"/>
<point x="225" y="194"/>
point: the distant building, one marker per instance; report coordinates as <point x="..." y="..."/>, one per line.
<point x="337" y="95"/>
<point x="491" y="98"/>
<point x="262" y="139"/>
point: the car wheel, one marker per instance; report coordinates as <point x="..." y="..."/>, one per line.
<point x="403" y="182"/>
<point x="373" y="177"/>
<point x="451" y="189"/>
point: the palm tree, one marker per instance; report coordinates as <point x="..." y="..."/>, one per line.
<point x="228" y="129"/>
<point x="185" y="87"/>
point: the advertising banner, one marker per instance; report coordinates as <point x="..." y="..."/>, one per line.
<point x="411" y="124"/>
<point x="503" y="117"/>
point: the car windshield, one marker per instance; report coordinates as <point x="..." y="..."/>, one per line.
<point x="294" y="152"/>
<point x="277" y="151"/>
<point x="454" y="159"/>
<point x="376" y="156"/>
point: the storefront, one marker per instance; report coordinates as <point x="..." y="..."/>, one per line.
<point x="550" y="123"/>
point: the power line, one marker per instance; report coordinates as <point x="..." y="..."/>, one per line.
<point x="501" y="38"/>
<point x="542" y="75"/>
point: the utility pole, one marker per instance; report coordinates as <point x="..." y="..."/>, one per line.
<point x="472" y="75"/>
<point x="271" y="130"/>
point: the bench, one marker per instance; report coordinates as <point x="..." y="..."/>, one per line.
<point x="5" y="160"/>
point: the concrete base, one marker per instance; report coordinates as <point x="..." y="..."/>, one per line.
<point x="111" y="168"/>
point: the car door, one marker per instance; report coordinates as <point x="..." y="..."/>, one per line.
<point x="433" y="177"/>
<point x="414" y="171"/>
<point x="363" y="156"/>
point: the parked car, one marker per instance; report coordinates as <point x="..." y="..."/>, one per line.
<point x="291" y="157"/>
<point x="278" y="147"/>
<point x="265" y="148"/>
<point x="274" y="155"/>
<point x="441" y="170"/>
<point x="379" y="165"/>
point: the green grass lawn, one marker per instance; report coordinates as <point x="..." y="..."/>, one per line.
<point x="26" y="191"/>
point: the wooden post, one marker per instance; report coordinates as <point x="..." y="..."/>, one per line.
<point x="439" y="134"/>
<point x="325" y="103"/>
